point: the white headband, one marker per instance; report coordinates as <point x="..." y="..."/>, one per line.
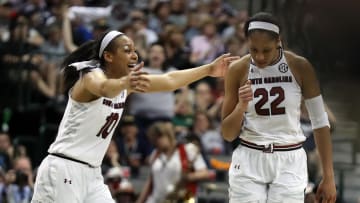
<point x="263" y="26"/>
<point x="107" y="39"/>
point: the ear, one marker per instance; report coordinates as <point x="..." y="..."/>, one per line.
<point x="108" y="56"/>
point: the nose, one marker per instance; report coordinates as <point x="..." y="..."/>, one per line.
<point x="134" y="56"/>
<point x="259" y="57"/>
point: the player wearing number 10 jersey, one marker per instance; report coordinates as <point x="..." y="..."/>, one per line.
<point x="99" y="76"/>
<point x="263" y="93"/>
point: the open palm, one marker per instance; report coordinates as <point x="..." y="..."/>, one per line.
<point x="221" y="64"/>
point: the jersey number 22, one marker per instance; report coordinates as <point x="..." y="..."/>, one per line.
<point x="274" y="105"/>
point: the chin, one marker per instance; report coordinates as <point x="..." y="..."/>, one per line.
<point x="261" y="65"/>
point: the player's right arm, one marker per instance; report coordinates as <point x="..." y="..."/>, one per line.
<point x="237" y="95"/>
<point x="95" y="84"/>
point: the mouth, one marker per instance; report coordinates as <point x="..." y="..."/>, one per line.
<point x="261" y="64"/>
<point x="131" y="65"/>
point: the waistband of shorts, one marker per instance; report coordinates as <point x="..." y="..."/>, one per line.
<point x="270" y="148"/>
<point x="72" y="159"/>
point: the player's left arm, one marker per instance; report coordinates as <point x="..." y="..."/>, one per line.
<point x="177" y="79"/>
<point x="320" y="124"/>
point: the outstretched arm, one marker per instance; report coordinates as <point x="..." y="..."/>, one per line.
<point x="177" y="79"/>
<point x="95" y="84"/>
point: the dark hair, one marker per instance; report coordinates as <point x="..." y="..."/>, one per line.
<point x="165" y="65"/>
<point x="263" y="17"/>
<point x="87" y="51"/>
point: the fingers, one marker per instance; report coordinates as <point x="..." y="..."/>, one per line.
<point x="224" y="56"/>
<point x="322" y="197"/>
<point x="245" y="92"/>
<point x="138" y="73"/>
<point x="139" y="83"/>
<point x="138" y="67"/>
<point x="230" y="59"/>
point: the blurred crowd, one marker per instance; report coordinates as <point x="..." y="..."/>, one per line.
<point x="35" y="35"/>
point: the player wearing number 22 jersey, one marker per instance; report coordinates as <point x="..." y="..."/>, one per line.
<point x="273" y="115"/>
<point x="263" y="93"/>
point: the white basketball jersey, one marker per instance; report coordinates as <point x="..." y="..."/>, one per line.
<point x="86" y="128"/>
<point x="273" y="116"/>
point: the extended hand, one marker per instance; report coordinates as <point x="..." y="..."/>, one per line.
<point x="326" y="192"/>
<point x="138" y="82"/>
<point x="220" y="65"/>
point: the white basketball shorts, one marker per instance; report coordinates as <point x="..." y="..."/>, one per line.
<point x="256" y="176"/>
<point x="60" y="180"/>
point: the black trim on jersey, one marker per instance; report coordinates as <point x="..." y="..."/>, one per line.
<point x="281" y="53"/>
<point x="72" y="159"/>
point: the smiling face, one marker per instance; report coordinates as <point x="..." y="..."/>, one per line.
<point x="156" y="56"/>
<point x="120" y="56"/>
<point x="263" y="48"/>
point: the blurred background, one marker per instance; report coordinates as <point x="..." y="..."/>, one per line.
<point x="35" y="35"/>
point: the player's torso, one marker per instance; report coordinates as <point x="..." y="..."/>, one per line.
<point x="273" y="115"/>
<point x="86" y="128"/>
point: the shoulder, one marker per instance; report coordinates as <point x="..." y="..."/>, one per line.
<point x="300" y="66"/>
<point x="297" y="61"/>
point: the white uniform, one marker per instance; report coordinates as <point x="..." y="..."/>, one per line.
<point x="84" y="135"/>
<point x="272" y="119"/>
<point x="166" y="172"/>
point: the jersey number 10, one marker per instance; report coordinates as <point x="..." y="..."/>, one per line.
<point x="109" y="125"/>
<point x="274" y="105"/>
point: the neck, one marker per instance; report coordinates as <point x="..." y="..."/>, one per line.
<point x="170" y="150"/>
<point x="113" y="72"/>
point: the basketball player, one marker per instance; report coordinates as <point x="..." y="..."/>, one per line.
<point x="99" y="79"/>
<point x="263" y="92"/>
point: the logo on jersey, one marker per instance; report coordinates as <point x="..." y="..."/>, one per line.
<point x="237" y="166"/>
<point x="283" y="68"/>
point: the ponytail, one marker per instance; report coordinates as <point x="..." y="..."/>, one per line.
<point x="87" y="51"/>
<point x="91" y="50"/>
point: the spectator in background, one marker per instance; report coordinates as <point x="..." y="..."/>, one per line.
<point x="151" y="107"/>
<point x="119" y="185"/>
<point x="173" y="167"/>
<point x="134" y="150"/>
<point x="210" y="137"/>
<point x="193" y="25"/>
<point x="159" y="16"/>
<point x="205" y="100"/>
<point x="208" y="45"/>
<point x="111" y="158"/>
<point x="74" y="31"/>
<point x="20" y="181"/>
<point x="236" y="44"/>
<point x="20" y="55"/>
<point x="184" y="112"/>
<point x="6" y="151"/>
<point x="178" y="13"/>
<point x="138" y="19"/>
<point x="177" y="51"/>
